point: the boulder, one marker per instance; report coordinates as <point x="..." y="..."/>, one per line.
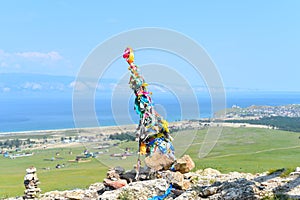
<point x="98" y="187"/>
<point x="188" y="195"/>
<point x="30" y="170"/>
<point x="115" y="184"/>
<point x="184" y="164"/>
<point x="176" y="179"/>
<point x="119" y="170"/>
<point x="129" y="176"/>
<point x="210" y="172"/>
<point x="75" y="195"/>
<point x="112" y="174"/>
<point x="158" y="161"/>
<point x="141" y="190"/>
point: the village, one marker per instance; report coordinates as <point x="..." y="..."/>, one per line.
<point x="98" y="140"/>
<point x="257" y="112"/>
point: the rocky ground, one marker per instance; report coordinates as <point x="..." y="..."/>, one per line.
<point x="202" y="184"/>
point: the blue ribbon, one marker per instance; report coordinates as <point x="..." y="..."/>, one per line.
<point x="162" y="197"/>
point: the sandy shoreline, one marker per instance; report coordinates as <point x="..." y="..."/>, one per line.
<point x="120" y="129"/>
<point x="103" y="129"/>
<point x="91" y="130"/>
<point x="60" y="137"/>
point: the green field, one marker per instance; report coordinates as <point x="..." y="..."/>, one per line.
<point x="238" y="149"/>
<point x="73" y="175"/>
<point x="250" y="150"/>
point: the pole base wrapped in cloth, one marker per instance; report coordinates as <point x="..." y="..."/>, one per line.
<point x="153" y="132"/>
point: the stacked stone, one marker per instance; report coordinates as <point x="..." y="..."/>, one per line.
<point x="31" y="183"/>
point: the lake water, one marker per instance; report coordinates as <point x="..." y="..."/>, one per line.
<point x="37" y="113"/>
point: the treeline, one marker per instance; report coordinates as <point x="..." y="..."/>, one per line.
<point x="14" y="143"/>
<point x="282" y="123"/>
<point x="122" y="136"/>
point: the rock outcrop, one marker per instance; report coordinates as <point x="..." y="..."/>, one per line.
<point x="203" y="184"/>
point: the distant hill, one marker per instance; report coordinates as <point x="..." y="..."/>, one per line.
<point x="25" y="84"/>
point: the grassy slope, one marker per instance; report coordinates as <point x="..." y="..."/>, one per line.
<point x="250" y="150"/>
<point x="74" y="175"/>
<point x="238" y="149"/>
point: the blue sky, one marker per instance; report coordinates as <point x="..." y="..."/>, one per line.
<point x="254" y="44"/>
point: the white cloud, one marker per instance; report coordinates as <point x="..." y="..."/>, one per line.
<point x="51" y="62"/>
<point x="101" y="87"/>
<point x="78" y="86"/>
<point x="53" y="55"/>
<point x="72" y="84"/>
<point x="56" y="86"/>
<point x="32" y="86"/>
<point x="3" y="64"/>
<point x="3" y="58"/>
<point x="3" y="53"/>
<point x="6" y="89"/>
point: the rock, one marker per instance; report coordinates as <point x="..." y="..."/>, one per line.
<point x="176" y="179"/>
<point x="110" y="195"/>
<point x="28" y="177"/>
<point x="115" y="184"/>
<point x="129" y="176"/>
<point x="145" y="170"/>
<point x="294" y="173"/>
<point x="75" y="195"/>
<point x="98" y="187"/>
<point x="158" y="161"/>
<point x="238" y="189"/>
<point x="203" y="184"/>
<point x="186" y="185"/>
<point x="144" y="174"/>
<point x="119" y="170"/>
<point x="188" y="195"/>
<point x="210" y="172"/>
<point x="112" y="174"/>
<point x="78" y="194"/>
<point x="297" y="169"/>
<point x="209" y="191"/>
<point x="31" y="170"/>
<point x="141" y="190"/>
<point x="31" y="183"/>
<point x="184" y="164"/>
<point x="177" y="192"/>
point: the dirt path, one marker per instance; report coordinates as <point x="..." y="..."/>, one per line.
<point x="256" y="152"/>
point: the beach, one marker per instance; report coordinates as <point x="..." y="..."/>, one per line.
<point x="78" y="136"/>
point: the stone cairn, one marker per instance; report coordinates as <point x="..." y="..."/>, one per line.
<point x="117" y="177"/>
<point x="31" y="183"/>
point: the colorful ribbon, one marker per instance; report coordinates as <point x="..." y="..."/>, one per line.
<point x="153" y="131"/>
<point x="162" y="197"/>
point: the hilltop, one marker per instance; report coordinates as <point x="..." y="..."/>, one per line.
<point x="202" y="184"/>
<point x="242" y="149"/>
